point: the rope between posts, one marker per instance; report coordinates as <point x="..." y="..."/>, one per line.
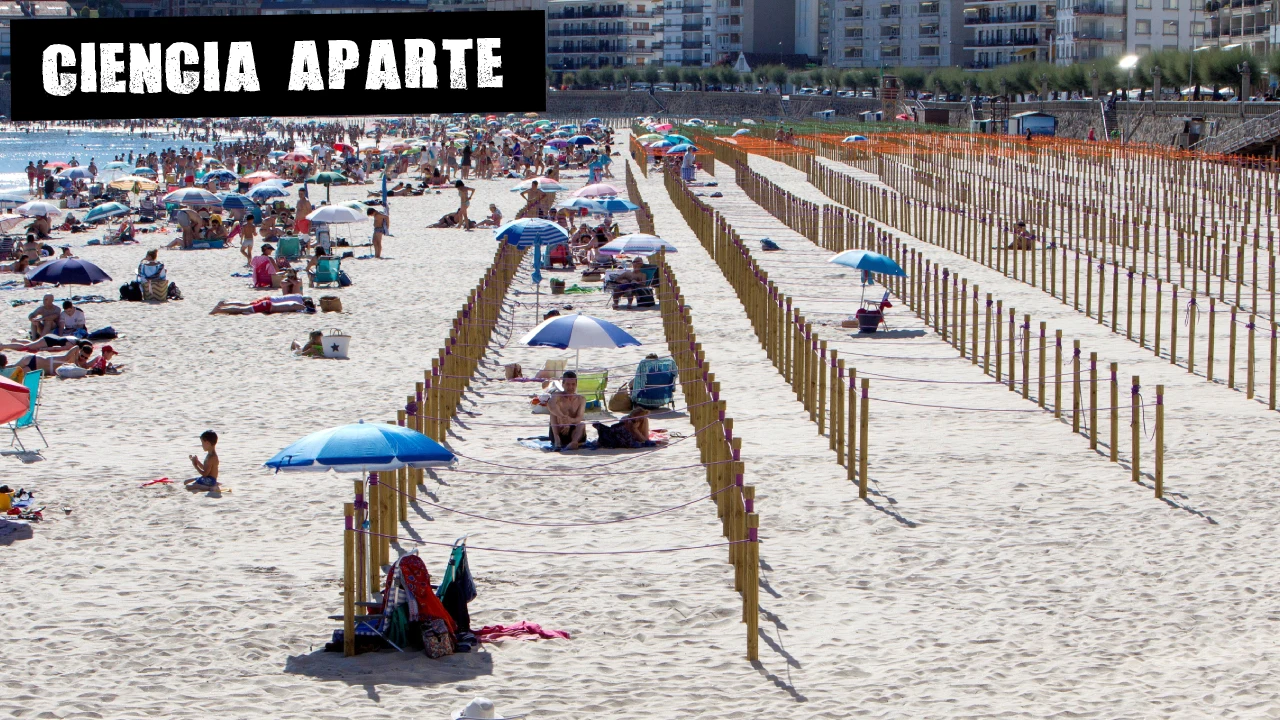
<point x="569" y="525"/>
<point x="575" y="471"/>
<point x="556" y="552"/>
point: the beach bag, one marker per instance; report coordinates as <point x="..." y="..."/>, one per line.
<point x="437" y="640"/>
<point x="513" y="371"/>
<point x="131" y="291"/>
<point x="106" y="333"/>
<point x="621" y="400"/>
<point x="644" y="297"/>
<point x="173" y="292"/>
<point x="767" y="244"/>
<point x="156" y="290"/>
<point x="344" y="280"/>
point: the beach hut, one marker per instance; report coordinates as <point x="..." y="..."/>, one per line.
<point x="1038" y="123"/>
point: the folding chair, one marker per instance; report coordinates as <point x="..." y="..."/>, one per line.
<point x="32" y="381"/>
<point x="326" y="272"/>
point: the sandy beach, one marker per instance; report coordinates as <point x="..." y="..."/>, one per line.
<point x="999" y="568"/>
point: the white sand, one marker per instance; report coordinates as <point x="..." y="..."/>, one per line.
<point x="1001" y="569"/>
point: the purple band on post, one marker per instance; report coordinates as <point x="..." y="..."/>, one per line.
<point x="752" y="534"/>
<point x="348" y="522"/>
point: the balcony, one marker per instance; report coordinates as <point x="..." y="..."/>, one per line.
<point x="1110" y="10"/>
<point x="584" y="14"/>
<point x="689" y="27"/>
<point x="1003" y="18"/>
<point x="693" y="9"/>
<point x="689" y="45"/>
<point x="1005" y="42"/>
<point x="1100" y="35"/>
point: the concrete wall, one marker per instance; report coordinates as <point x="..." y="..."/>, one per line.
<point x="710" y="105"/>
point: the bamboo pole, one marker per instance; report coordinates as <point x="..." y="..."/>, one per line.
<point x="1136" y="434"/>
<point x="1159" y="465"/>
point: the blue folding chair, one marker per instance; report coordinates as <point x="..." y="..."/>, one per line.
<point x="32" y="382"/>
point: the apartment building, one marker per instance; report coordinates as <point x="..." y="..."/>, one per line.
<point x="1089" y="30"/>
<point x="593" y="34"/>
<point x="813" y="29"/>
<point x="1002" y="32"/>
<point x="1238" y="23"/>
<point x="1092" y="29"/>
<point x="700" y="33"/>
<point x="211" y="8"/>
<point x="42" y="9"/>
<point x="1155" y="25"/>
<point x="897" y="33"/>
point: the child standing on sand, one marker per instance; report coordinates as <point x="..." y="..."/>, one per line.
<point x="209" y="468"/>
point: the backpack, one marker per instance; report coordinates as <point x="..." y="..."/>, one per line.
<point x="174" y="292"/>
<point x="344" y="280"/>
<point x="131" y="291"/>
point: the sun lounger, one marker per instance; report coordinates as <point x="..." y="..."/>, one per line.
<point x="32" y="381"/>
<point x="592" y="387"/>
<point x="654" y="384"/>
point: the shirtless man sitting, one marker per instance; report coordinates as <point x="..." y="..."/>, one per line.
<point x="568" y="414"/>
<point x="44" y="319"/>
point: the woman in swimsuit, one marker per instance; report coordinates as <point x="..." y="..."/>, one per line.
<point x="464" y="202"/>
<point x="78" y="355"/>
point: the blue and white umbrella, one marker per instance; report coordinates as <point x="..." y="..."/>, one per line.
<point x="636" y="244"/>
<point x="361" y="447"/>
<point x="219" y="175"/>
<point x="532" y="233"/>
<point x="263" y="192"/>
<point x="600" y="206"/>
<point x="75" y="173"/>
<point x="581" y="140"/>
<point x="192" y="196"/>
<point x="740" y="133"/>
<point x="854" y="139"/>
<point x="106" y="210"/>
<point x="143" y="171"/>
<point x="574" y="332"/>
<point x="13" y="199"/>
<point x="236" y="201"/>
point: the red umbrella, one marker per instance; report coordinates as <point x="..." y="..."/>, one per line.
<point x="15" y="400"/>
<point x="343" y="147"/>
<point x="59" y="165"/>
<point x="299" y="158"/>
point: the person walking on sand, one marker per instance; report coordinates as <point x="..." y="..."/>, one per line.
<point x="379" y="228"/>
<point x="208" y="469"/>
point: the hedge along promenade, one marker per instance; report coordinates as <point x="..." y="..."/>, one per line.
<point x="942" y="300"/>
<point x="1095" y="265"/>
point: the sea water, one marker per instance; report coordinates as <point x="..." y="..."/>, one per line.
<point x="17" y="148"/>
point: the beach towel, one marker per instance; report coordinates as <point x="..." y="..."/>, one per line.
<point x="423" y="603"/>
<point x="523" y="630"/>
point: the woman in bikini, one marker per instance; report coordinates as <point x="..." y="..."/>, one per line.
<point x="78" y="354"/>
<point x="464" y="201"/>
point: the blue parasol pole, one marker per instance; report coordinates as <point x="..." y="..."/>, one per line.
<point x="537" y="279"/>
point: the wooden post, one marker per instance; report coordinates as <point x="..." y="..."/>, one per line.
<point x="1192" y="311"/>
<point x="1075" y="395"/>
<point x="851" y="455"/>
<point x="1137" y="429"/>
<point x="751" y="594"/>
<point x="1115" y="412"/>
<point x="862" y="440"/>
<point x="374" y="499"/>
<point x="1209" y="356"/>
<point x="1231" y="352"/>
<point x="1057" y="374"/>
<point x="1159" y="466"/>
<point x="349" y="580"/>
<point x="1271" y="402"/>
<point x="986" y="340"/>
<point x="1252" y="328"/>
<point x="1093" y="401"/>
<point x="1026" y="355"/>
<point x="821" y="370"/>
<point x="1043" y="361"/>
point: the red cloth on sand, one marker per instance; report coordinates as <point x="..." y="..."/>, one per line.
<point x="523" y="630"/>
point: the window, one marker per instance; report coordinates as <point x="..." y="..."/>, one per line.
<point x="639" y="44"/>
<point x="929" y="50"/>
<point x="1197" y="28"/>
<point x="1170" y="27"/>
<point x="890" y="32"/>
<point x="891" y="52"/>
<point x="853" y="53"/>
<point x="639" y="61"/>
<point x="853" y="33"/>
<point x="929" y="8"/>
<point x="1142" y="49"/>
<point x="928" y="29"/>
<point x="889" y="10"/>
<point x="1142" y="4"/>
<point x="639" y="8"/>
<point x="853" y="12"/>
<point x="1170" y="4"/>
<point x="1142" y="27"/>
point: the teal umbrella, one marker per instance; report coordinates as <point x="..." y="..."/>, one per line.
<point x="106" y="210"/>
<point x="327" y="178"/>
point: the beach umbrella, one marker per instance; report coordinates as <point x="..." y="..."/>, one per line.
<point x="855" y="138"/>
<point x="661" y="128"/>
<point x="336" y="215"/>
<point x="678" y="139"/>
<point x="277" y="182"/>
<point x="9" y="221"/>
<point x="581" y="140"/>
<point x="327" y="179"/>
<point x="236" y="201"/>
<point x="192" y="196"/>
<point x="264" y="191"/>
<point x="58" y="165"/>
<point x="636" y="244"/>
<point x="662" y="144"/>
<point x="534" y="233"/>
<point x="219" y="175"/>
<point x="546" y="184"/>
<point x="256" y="177"/>
<point x="574" y="332"/>
<point x="601" y="206"/>
<point x="739" y="133"/>
<point x="748" y="121"/>
<point x="15" y="400"/>
<point x="361" y="447"/>
<point x="106" y="210"/>
<point x="69" y="271"/>
<point x="868" y="262"/>
<point x="118" y="165"/>
<point x="597" y="190"/>
<point x="343" y="147"/>
<point x="276" y="154"/>
<point x="128" y="182"/>
<point x="36" y="208"/>
<point x="75" y="173"/>
<point x="681" y="148"/>
<point x="144" y="171"/>
<point x="296" y="158"/>
<point x="12" y="199"/>
<point x="649" y="137"/>
<point x="558" y="143"/>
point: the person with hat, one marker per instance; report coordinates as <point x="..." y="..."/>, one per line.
<point x="481" y="709"/>
<point x="101" y="365"/>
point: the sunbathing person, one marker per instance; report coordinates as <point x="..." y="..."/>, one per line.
<point x="101" y="365"/>
<point x="494" y="219"/>
<point x="266" y="306"/>
<point x="568" y="412"/>
<point x="77" y="354"/>
<point x="628" y="282"/>
<point x="21" y="265"/>
<point x="44" y="344"/>
<point x="631" y="431"/>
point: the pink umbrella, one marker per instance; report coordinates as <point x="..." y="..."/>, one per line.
<point x="343" y="147"/>
<point x="661" y="128"/>
<point x="15" y="400"/>
<point x="299" y="158"/>
<point x="254" y="178"/>
<point x="598" y="190"/>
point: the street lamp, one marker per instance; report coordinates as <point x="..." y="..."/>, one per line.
<point x="1128" y="62"/>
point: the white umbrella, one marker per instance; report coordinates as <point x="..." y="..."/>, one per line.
<point x="336" y="214"/>
<point x="8" y="221"/>
<point x="36" y="208"/>
<point x="636" y="244"/>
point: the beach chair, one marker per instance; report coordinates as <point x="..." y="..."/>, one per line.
<point x="323" y="238"/>
<point x="592" y="387"/>
<point x="871" y="315"/>
<point x="559" y="255"/>
<point x="289" y="247"/>
<point x="553" y="369"/>
<point x="32" y="381"/>
<point x="7" y="245"/>
<point x="326" y="272"/>
<point x="654" y="385"/>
